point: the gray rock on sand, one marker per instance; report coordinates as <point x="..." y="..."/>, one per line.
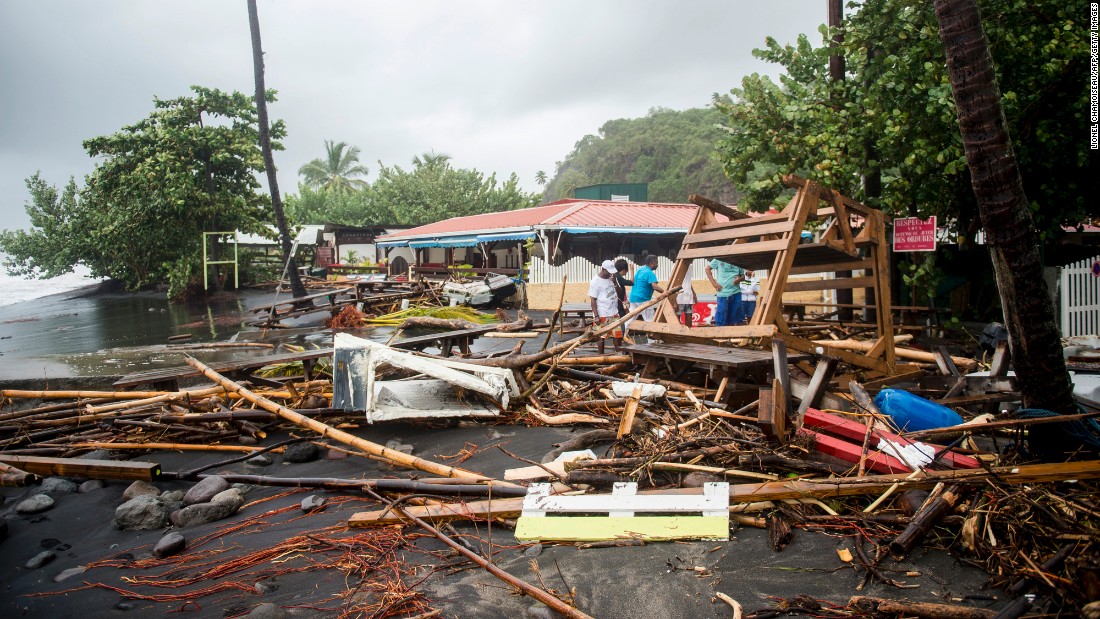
<point x="538" y="610"/>
<point x="313" y="502"/>
<point x="204" y="491"/>
<point x="69" y="573"/>
<point x="267" y="610"/>
<point x="301" y="452"/>
<point x="40" y="559"/>
<point x="143" y="513"/>
<point x="35" y="504"/>
<point x="223" y="505"/>
<point x="170" y="544"/>
<point x="140" y="488"/>
<point x="90" y="486"/>
<point x="56" y="486"/>
<point x="172" y="496"/>
<point x="260" y="460"/>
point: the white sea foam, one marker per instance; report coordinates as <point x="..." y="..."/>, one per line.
<point x="17" y="289"/>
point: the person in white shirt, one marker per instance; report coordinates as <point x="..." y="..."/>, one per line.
<point x="685" y="302"/>
<point x="605" y="303"/>
<point x="750" y="289"/>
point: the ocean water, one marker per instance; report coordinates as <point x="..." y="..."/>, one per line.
<point x="16" y="289"/>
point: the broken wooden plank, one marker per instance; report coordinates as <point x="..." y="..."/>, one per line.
<point x="82" y="467"/>
<point x="543" y="519"/>
<point x="811" y="397"/>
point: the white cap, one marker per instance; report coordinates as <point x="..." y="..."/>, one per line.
<point x="608" y="266"/>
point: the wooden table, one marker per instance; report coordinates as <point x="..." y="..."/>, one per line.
<point x="445" y="341"/>
<point x="579" y="310"/>
<point x="728" y="364"/>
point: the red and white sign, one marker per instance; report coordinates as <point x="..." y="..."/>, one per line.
<point x="914" y="234"/>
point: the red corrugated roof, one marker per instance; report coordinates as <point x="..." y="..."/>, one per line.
<point x="570" y="212"/>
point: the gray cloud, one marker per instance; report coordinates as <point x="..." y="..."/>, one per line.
<point x="501" y="86"/>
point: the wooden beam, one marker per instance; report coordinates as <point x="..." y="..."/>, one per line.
<point x="780" y="227"/>
<point x="808" y="346"/>
<point x="739" y="223"/>
<point x="82" y="467"/>
<point x="731" y="251"/>
<point x="703" y="333"/>
<point x="772" y="491"/>
<point x="829" y="284"/>
<point x="833" y="267"/>
<point x="782" y="383"/>
<point x="717" y="207"/>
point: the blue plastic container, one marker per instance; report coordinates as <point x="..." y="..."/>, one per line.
<point x="912" y="412"/>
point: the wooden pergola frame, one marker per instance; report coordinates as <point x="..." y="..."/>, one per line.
<point x="773" y="241"/>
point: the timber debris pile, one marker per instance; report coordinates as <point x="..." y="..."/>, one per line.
<point x="793" y="448"/>
<point x="690" y="439"/>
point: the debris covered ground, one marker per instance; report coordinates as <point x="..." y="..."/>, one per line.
<point x="261" y="497"/>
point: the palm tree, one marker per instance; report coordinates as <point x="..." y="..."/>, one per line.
<point x="540" y="177"/>
<point x="430" y="159"/>
<point x="296" y="287"/>
<point x="1006" y="218"/>
<point x="337" y="170"/>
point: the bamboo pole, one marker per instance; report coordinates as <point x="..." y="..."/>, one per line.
<point x="170" y="446"/>
<point x="324" y="429"/>
<point x="167" y="397"/>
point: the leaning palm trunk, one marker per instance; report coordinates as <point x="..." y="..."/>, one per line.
<point x="296" y="287"/>
<point x="1010" y="235"/>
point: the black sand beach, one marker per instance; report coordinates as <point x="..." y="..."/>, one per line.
<point x="318" y="567"/>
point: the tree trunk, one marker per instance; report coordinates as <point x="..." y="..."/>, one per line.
<point x="296" y="287"/>
<point x="1010" y="235"/>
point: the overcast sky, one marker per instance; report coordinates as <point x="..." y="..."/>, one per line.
<point x="501" y="86"/>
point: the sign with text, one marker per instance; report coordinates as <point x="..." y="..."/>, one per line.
<point x="914" y="234"/>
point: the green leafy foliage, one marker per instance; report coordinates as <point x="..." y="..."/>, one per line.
<point x="337" y="171"/>
<point x="895" y="105"/>
<point x="189" y="168"/>
<point x="431" y="190"/>
<point x="671" y="150"/>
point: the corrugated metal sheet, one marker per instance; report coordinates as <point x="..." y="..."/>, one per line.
<point x="564" y="213"/>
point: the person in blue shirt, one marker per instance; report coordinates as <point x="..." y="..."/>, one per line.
<point x="645" y="283"/>
<point x="726" y="279"/>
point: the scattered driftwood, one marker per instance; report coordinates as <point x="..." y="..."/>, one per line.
<point x="924" y="610"/>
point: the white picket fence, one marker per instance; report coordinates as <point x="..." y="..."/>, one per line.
<point x="1080" y="299"/>
<point x="580" y="270"/>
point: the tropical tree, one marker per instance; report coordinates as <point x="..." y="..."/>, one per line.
<point x="159" y="184"/>
<point x="433" y="190"/>
<point x="431" y="159"/>
<point x="1006" y="218"/>
<point x="897" y="103"/>
<point x="337" y="170"/>
<point x="317" y="205"/>
<point x="540" y="177"/>
<point x="296" y="286"/>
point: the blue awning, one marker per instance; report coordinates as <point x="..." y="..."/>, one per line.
<point x="505" y="236"/>
<point x="455" y="241"/>
<point x="392" y="244"/>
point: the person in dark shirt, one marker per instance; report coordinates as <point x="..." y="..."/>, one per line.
<point x="621" y="282"/>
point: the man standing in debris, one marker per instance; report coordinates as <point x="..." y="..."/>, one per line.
<point x="605" y="302"/>
<point x="726" y="279"/>
<point x="621" y="282"/>
<point x="750" y="288"/>
<point x="645" y="283"/>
